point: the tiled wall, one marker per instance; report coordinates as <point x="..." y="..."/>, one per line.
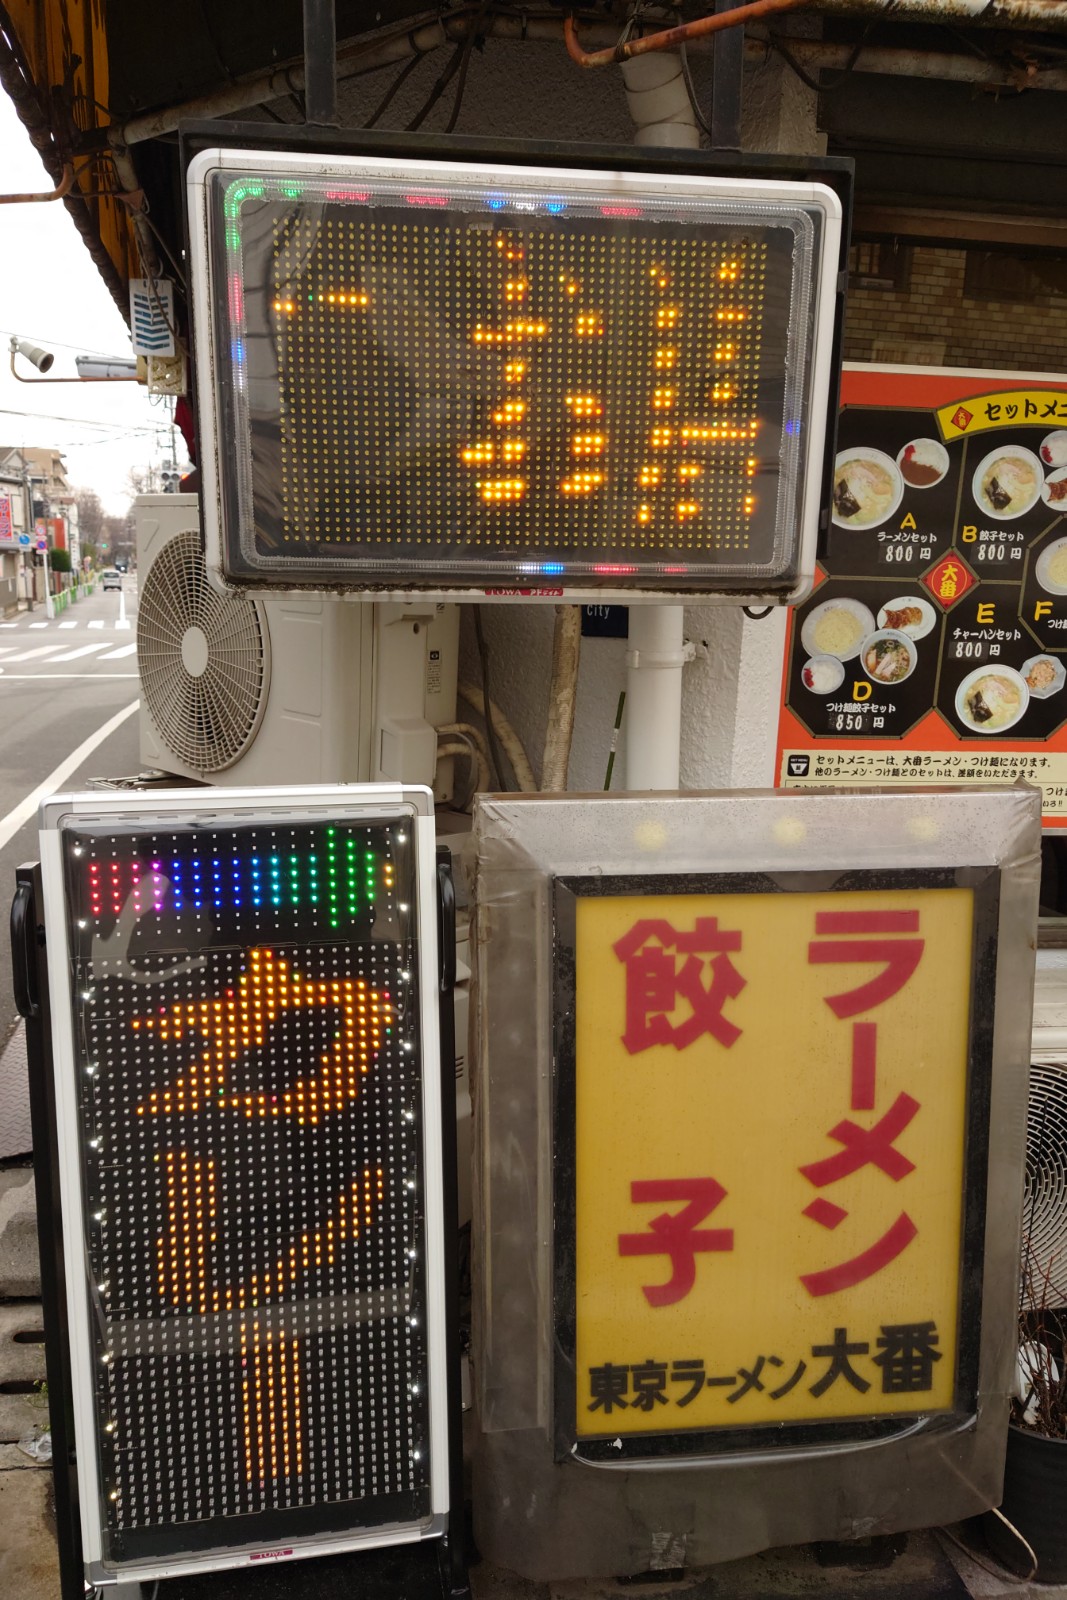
<point x="931" y="322"/>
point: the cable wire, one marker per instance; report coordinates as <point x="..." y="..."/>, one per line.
<point x="401" y="78"/>
<point x="490" y="731"/>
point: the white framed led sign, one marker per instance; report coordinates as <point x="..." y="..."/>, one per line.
<point x="247" y="1083"/>
<point x="460" y="376"/>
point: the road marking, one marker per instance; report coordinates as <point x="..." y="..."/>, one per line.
<point x="96" y="623"/>
<point x="68" y="624"/>
<point x="30" y="655"/>
<point x="82" y="650"/>
<point x="8" y="624"/>
<point x="122" y="625"/>
<point x="38" y="624"/>
<point x="117" y="655"/>
<point x="25" y="809"/>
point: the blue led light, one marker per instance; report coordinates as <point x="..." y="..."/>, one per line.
<point x="176" y="883"/>
<point x="553" y="567"/>
<point x="554" y="207"/>
<point x="792" y="427"/>
<point x="496" y="204"/>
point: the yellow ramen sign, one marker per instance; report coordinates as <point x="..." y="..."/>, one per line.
<point x="771" y="1108"/>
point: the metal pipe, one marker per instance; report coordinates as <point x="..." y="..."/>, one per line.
<point x="672" y="38"/>
<point x="64" y="186"/>
<point x="320" y="64"/>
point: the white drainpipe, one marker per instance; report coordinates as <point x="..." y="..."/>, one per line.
<point x="659" y="104"/>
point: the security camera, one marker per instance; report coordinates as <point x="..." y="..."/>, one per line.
<point x="42" y="359"/>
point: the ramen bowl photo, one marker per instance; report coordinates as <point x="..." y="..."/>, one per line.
<point x="867" y="489"/>
<point x="992" y="699"/>
<point x="1007" y="482"/>
<point x="888" y="656"/>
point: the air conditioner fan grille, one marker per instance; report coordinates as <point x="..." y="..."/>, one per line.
<point x="1045" y="1204"/>
<point x="201" y="659"/>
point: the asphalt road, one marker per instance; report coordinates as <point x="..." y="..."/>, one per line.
<point x="60" y="683"/>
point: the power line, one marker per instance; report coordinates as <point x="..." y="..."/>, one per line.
<point x="85" y="422"/>
<point x="54" y="344"/>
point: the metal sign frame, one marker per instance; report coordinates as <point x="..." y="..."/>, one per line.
<point x="611" y="1449"/>
<point x="824" y="185"/>
<point x="366" y="804"/>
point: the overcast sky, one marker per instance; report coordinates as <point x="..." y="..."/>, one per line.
<point x="52" y="294"/>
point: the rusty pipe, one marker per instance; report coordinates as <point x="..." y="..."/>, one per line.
<point x="64" y="186"/>
<point x="672" y="38"/>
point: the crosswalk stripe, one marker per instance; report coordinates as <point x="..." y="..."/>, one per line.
<point x="82" y="650"/>
<point x="123" y="625"/>
<point x="38" y="624"/>
<point x="68" y="624"/>
<point x="117" y="655"/>
<point x="96" y="623"/>
<point x="34" y="655"/>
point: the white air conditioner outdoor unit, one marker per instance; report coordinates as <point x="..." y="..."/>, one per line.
<point x="238" y="690"/>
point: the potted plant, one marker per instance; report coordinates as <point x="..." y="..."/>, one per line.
<point x="1035" y="1473"/>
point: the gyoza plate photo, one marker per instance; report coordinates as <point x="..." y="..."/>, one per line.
<point x="1054" y="489"/>
<point x="899" y="614"/>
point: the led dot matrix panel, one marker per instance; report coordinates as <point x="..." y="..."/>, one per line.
<point x="443" y="375"/>
<point x="246" y="1090"/>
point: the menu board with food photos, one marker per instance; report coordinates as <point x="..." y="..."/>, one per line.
<point x="933" y="647"/>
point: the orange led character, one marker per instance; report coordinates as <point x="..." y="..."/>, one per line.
<point x="583" y="405"/>
<point x="589" y="324"/>
<point x="510" y="411"/>
<point x="582" y="483"/>
<point x="496" y="491"/>
<point x="663" y="399"/>
<point x="476" y="454"/>
<point x="587" y="444"/>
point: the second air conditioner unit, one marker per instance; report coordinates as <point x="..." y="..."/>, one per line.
<point x="247" y="690"/>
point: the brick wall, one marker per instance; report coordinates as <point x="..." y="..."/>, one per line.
<point x="933" y="324"/>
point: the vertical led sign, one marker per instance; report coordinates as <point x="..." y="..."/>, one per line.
<point x="247" y="1082"/>
<point x="455" y="375"/>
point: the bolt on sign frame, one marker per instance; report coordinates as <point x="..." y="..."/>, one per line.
<point x="253" y="1167"/>
<point x="460" y="371"/>
<point x="750" y="1147"/>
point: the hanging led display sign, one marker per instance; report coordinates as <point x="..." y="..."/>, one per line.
<point x="464" y="376"/>
<point x="247" y="1086"/>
